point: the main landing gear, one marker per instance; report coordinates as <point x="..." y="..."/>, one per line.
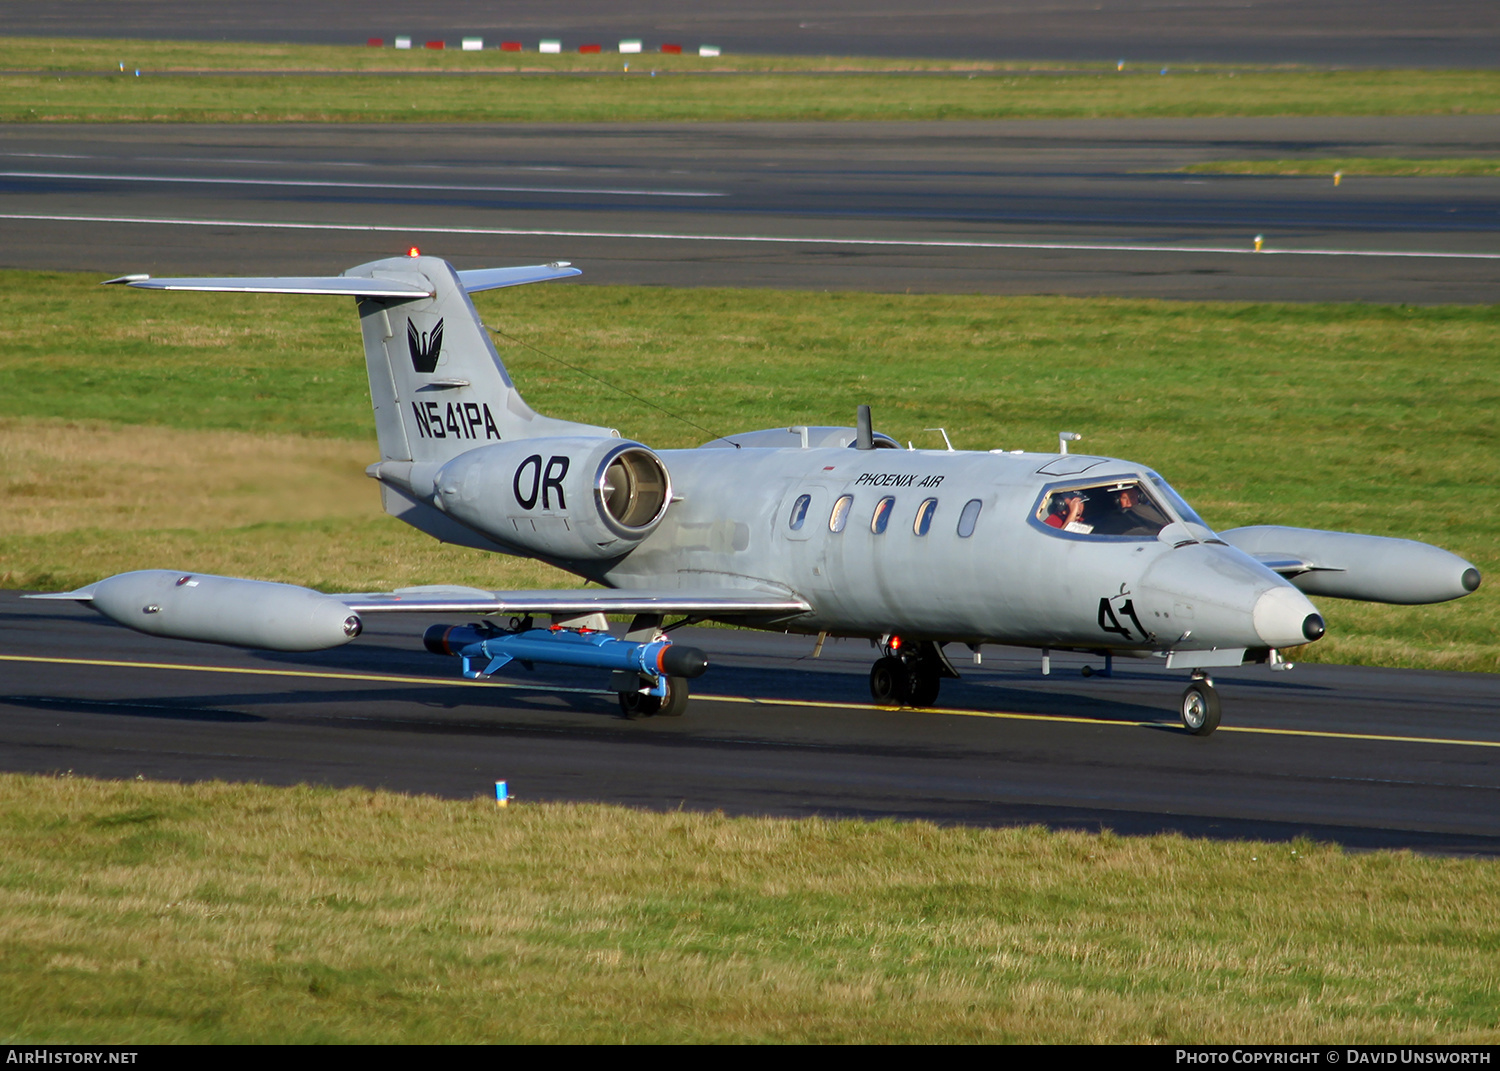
<point x="1200" y="705"/>
<point x="909" y="675"/>
<point x="634" y="690"/>
<point x="638" y="704"/>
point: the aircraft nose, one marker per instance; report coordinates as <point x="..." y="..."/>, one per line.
<point x="1283" y="617"/>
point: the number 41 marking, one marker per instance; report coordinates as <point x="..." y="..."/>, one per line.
<point x="1111" y="623"/>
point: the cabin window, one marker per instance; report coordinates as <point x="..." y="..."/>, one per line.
<point x="925" y="513"/>
<point x="799" y="512"/>
<point x="840" y="515"/>
<point x="882" y="515"/>
<point x="968" y="518"/>
<point x="1111" y="508"/>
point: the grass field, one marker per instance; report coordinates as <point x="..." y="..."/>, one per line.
<point x="76" y="55"/>
<point x="596" y="89"/>
<point x="151" y="913"/>
<point x="229" y="434"/>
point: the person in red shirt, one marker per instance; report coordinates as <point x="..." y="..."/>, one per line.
<point x="1066" y="509"/>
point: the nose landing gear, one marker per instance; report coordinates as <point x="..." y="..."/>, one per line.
<point x="1200" y="705"/>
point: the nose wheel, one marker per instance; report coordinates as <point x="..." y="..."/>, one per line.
<point x="1200" y="707"/>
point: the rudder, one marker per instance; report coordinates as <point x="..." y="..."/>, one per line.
<point x="437" y="384"/>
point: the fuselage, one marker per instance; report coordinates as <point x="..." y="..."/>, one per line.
<point x="955" y="545"/>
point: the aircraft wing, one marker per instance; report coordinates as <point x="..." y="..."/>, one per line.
<point x="1288" y="564"/>
<point x="710" y="602"/>
<point x="283" y="617"/>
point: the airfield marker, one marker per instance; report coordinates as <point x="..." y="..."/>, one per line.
<point x="502" y="794"/>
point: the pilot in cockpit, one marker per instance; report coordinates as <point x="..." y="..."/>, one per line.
<point x="1066" y="512"/>
<point x="1131" y="514"/>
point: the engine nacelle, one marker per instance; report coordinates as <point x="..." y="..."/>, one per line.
<point x="1369" y="568"/>
<point x="568" y="497"/>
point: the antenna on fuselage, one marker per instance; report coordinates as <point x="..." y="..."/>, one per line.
<point x="864" y="434"/>
<point x="944" y="433"/>
<point x="1066" y="437"/>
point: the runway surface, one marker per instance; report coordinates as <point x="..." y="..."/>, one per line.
<point x="1379" y="33"/>
<point x="1363" y="757"/>
<point x="1067" y="207"/>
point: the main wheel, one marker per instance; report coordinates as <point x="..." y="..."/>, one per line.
<point x="640" y="705"/>
<point x="890" y="682"/>
<point x="1200" y="708"/>
<point x="924" y="683"/>
<point x="674" y="703"/>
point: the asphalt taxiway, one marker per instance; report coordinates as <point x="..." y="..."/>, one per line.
<point x="1065" y="207"/>
<point x="1363" y="757"/>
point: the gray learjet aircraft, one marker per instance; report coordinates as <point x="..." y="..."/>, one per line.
<point x="827" y="531"/>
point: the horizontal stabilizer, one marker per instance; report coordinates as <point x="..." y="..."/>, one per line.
<point x="337" y="285"/>
<point x="709" y="603"/>
<point x="353" y="285"/>
<point x="477" y="279"/>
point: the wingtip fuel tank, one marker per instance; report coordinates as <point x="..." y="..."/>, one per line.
<point x="1369" y="568"/>
<point x="221" y="609"/>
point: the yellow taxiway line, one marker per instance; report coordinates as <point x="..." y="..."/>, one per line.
<point x="1005" y="715"/>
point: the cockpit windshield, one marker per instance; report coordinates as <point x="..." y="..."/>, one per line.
<point x="1115" y="507"/>
<point x="1176" y="501"/>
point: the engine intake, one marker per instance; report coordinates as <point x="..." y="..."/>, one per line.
<point x="633" y="490"/>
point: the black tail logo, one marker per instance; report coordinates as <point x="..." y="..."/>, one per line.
<point x="424" y="347"/>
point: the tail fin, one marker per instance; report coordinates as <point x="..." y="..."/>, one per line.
<point x="436" y="382"/>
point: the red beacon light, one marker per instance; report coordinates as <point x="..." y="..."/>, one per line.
<point x="414" y="252"/>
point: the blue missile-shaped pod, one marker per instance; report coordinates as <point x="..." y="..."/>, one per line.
<point x="484" y="651"/>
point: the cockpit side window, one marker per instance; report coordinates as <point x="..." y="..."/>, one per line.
<point x="1113" y="508"/>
